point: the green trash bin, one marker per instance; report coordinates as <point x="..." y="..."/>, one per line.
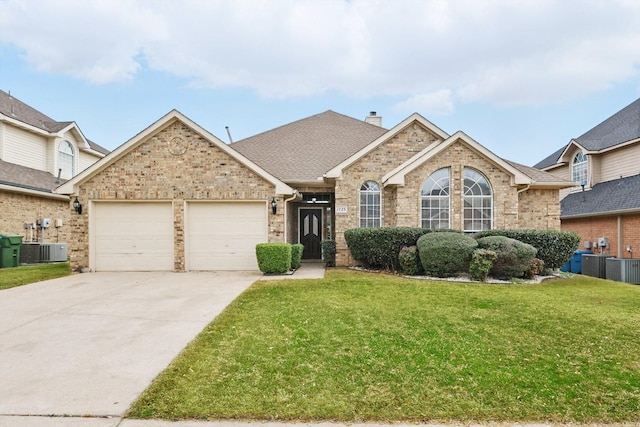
<point x="10" y="250"/>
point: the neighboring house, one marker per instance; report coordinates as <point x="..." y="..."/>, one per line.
<point x="604" y="163"/>
<point x="37" y="154"/>
<point x="175" y="197"/>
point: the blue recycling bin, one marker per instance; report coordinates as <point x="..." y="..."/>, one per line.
<point x="576" y="261"/>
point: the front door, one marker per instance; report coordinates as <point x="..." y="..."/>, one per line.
<point x="311" y="233"/>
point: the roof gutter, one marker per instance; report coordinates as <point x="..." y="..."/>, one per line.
<point x="605" y="213"/>
<point x="31" y="192"/>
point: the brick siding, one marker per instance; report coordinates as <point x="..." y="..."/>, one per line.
<point x="17" y="208"/>
<point x="150" y="172"/>
<point x="590" y="229"/>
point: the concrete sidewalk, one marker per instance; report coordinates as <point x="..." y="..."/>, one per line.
<point x="307" y="270"/>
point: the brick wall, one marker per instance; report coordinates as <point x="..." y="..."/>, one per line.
<point x="151" y="172"/>
<point x="18" y="208"/>
<point x="372" y="167"/>
<point x="590" y="229"/>
<point x="533" y="208"/>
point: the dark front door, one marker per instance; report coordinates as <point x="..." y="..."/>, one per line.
<point x="311" y="233"/>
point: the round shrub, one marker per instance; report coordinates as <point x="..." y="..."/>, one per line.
<point x="445" y="254"/>
<point x="296" y="255"/>
<point x="329" y="252"/>
<point x="410" y="261"/>
<point x="514" y="258"/>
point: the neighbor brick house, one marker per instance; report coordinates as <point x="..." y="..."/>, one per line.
<point x="37" y="154"/>
<point x="175" y="197"/>
<point x="604" y="163"/>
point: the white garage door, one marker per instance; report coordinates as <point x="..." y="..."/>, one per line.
<point x="223" y="236"/>
<point x="133" y="236"/>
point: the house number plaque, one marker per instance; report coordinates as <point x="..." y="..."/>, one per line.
<point x="341" y="210"/>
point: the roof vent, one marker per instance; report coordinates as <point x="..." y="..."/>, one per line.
<point x="373" y="119"/>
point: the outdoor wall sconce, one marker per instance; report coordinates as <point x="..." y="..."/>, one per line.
<point x="274" y="205"/>
<point x="77" y="206"/>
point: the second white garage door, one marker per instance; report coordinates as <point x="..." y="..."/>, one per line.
<point x="223" y="235"/>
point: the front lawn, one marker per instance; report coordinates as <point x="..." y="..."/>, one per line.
<point x="359" y="347"/>
<point x="17" y="276"/>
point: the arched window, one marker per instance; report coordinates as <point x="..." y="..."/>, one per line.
<point x="65" y="160"/>
<point x="435" y="200"/>
<point x="579" y="169"/>
<point x="478" y="201"/>
<point x="370" y="209"/>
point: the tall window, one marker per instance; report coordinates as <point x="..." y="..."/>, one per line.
<point x="579" y="169"/>
<point x="435" y="200"/>
<point x="370" y="205"/>
<point x="65" y="159"/>
<point x="478" y="201"/>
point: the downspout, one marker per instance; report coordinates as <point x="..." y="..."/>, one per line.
<point x="518" y="194"/>
<point x="620" y="236"/>
<point x="296" y="195"/>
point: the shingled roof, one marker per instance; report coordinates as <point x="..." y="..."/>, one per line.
<point x="536" y="175"/>
<point x="28" y="178"/>
<point x="304" y="150"/>
<point x="623" y="126"/>
<point x="18" y="110"/>
<point x="621" y="194"/>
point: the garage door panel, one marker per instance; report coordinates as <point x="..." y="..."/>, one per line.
<point x="133" y="236"/>
<point x="223" y="235"/>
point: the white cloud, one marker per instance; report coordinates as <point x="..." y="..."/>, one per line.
<point x="438" y="102"/>
<point x="427" y="52"/>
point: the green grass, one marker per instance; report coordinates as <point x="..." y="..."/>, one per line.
<point x="17" y="276"/>
<point x="357" y="347"/>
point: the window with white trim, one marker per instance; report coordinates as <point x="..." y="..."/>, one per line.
<point x="370" y="206"/>
<point x="436" y="200"/>
<point x="478" y="201"/>
<point x="66" y="160"/>
<point x="579" y="169"/>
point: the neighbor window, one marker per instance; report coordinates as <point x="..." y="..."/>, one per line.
<point x="435" y="200"/>
<point x="478" y="201"/>
<point x="579" y="169"/>
<point x="65" y="160"/>
<point x="370" y="210"/>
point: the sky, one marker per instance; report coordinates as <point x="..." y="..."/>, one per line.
<point x="521" y="77"/>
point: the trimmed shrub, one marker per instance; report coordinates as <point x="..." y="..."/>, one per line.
<point x="273" y="257"/>
<point x="481" y="263"/>
<point x="379" y="247"/>
<point x="445" y="254"/>
<point x="329" y="252"/>
<point x="296" y="255"/>
<point x="410" y="261"/>
<point x="554" y="247"/>
<point x="514" y="257"/>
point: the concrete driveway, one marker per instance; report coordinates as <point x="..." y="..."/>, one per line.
<point x="89" y="344"/>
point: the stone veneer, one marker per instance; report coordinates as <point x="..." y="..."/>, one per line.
<point x="150" y="172"/>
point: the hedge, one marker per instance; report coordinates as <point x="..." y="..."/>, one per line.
<point x="274" y="257"/>
<point x="445" y="254"/>
<point x="554" y="247"/>
<point x="410" y="261"/>
<point x="296" y="255"/>
<point x="379" y="248"/>
<point x="329" y="252"/>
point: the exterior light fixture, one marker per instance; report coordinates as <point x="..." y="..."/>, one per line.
<point x="274" y="205"/>
<point x="77" y="206"/>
